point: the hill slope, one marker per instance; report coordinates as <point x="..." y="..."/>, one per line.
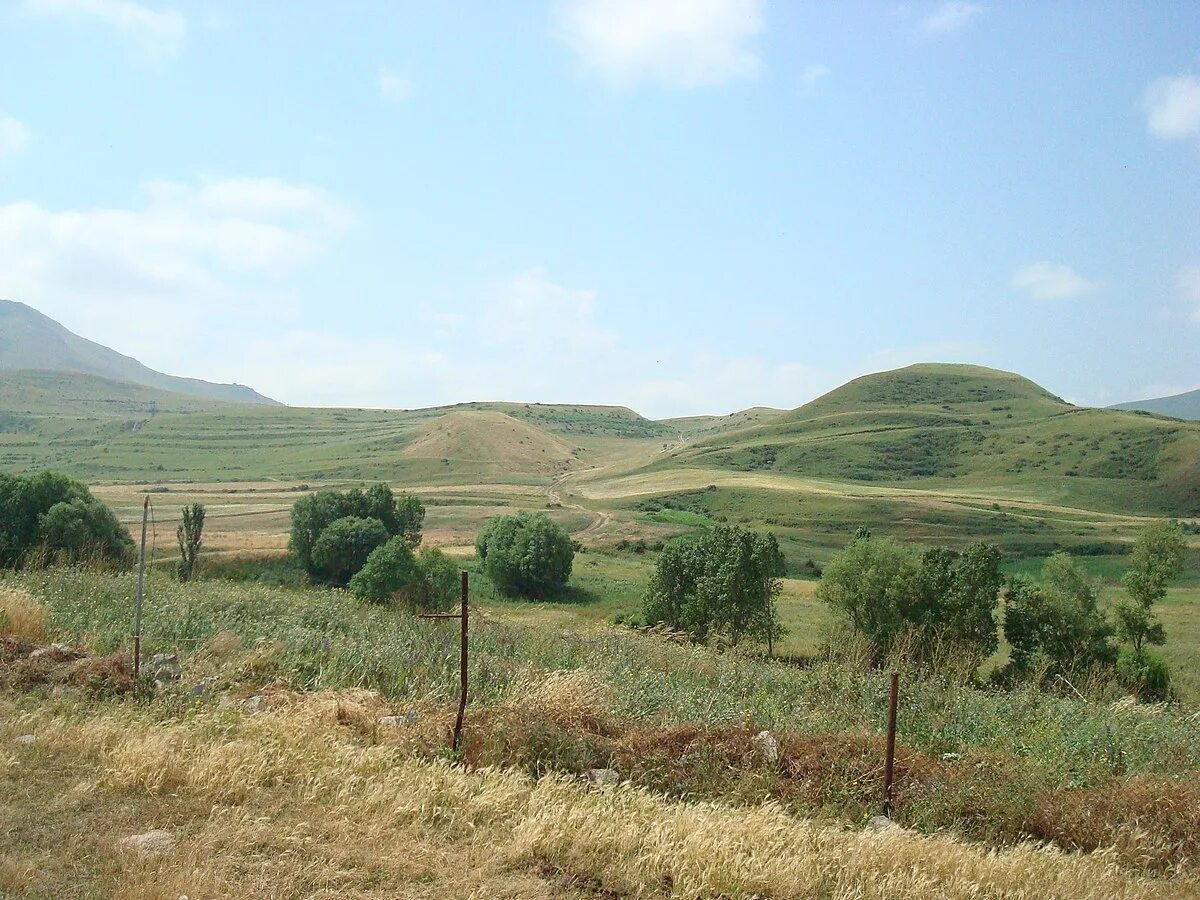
<point x="492" y="438"/>
<point x="931" y="423"/>
<point x="30" y="340"/>
<point x="1181" y="406"/>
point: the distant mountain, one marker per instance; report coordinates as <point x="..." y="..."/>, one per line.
<point x="1180" y="406"/>
<point x="30" y="340"/>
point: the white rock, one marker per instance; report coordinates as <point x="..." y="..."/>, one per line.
<point x="392" y="721"/>
<point x="951" y="757"/>
<point x="151" y="843"/>
<point x="881" y="823"/>
<point x="767" y="746"/>
<point x="256" y="704"/>
<point x="25" y="739"/>
<point x="602" y="777"/>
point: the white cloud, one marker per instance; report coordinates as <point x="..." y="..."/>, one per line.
<point x="155" y="34"/>
<point x="13" y="135"/>
<point x="814" y="73"/>
<point x="949" y="17"/>
<point x="393" y="87"/>
<point x="1172" y="107"/>
<point x="1051" y="281"/>
<point x="1188" y="281"/>
<point x="152" y="278"/>
<point x="545" y="317"/>
<point x="679" y="43"/>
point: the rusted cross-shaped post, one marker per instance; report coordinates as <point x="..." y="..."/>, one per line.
<point x="462" y="615"/>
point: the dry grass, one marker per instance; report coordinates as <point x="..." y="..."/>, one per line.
<point x="21" y="616"/>
<point x="289" y="803"/>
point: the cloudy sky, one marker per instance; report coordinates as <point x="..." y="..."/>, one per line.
<point x="679" y="205"/>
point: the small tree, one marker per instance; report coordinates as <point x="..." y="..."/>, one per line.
<point x="84" y="528"/>
<point x="400" y="515"/>
<point x="525" y="554"/>
<point x="343" y="547"/>
<point x="389" y="569"/>
<point x="724" y="581"/>
<point x="1056" y="621"/>
<point x="1157" y="558"/>
<point x="49" y="510"/>
<point x="189" y="534"/>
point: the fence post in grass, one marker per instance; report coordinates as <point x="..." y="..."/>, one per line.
<point x="462" y="616"/>
<point x="893" y="701"/>
<point x="141" y="593"/>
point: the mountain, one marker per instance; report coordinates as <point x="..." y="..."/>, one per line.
<point x="31" y="340"/>
<point x="937" y="424"/>
<point x="1179" y="406"/>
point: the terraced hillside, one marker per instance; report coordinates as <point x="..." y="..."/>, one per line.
<point x="947" y="425"/>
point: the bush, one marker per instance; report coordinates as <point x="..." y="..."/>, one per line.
<point x="189" y="534"/>
<point x="400" y="515"/>
<point x="343" y="547"/>
<point x="1146" y="675"/>
<point x="525" y="554"/>
<point x="53" y="512"/>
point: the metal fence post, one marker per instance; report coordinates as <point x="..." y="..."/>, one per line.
<point x="893" y="701"/>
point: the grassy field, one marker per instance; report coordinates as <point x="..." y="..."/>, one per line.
<point x="303" y="791"/>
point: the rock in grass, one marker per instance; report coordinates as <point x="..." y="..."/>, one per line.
<point x="602" y="777"/>
<point x="255" y="704"/>
<point x="409" y="718"/>
<point x="881" y="823"/>
<point x="766" y="745"/>
<point x="25" y="739"/>
<point x="151" y="843"/>
<point x="164" y="667"/>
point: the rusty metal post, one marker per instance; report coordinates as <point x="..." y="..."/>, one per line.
<point x="893" y="702"/>
<point x="141" y="593"/>
<point x="462" y="667"/>
<point x="463" y="616"/>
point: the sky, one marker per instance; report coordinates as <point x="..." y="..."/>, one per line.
<point x="682" y="206"/>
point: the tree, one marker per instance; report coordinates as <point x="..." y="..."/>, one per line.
<point x="958" y="594"/>
<point x="438" y="586"/>
<point x="51" y="511"/>
<point x="526" y="554"/>
<point x="1157" y="558"/>
<point x="343" y="547"/>
<point x="189" y="534"/>
<point x="725" y="581"/>
<point x="1056" y="621"/>
<point x="400" y="515"/>
<point x="388" y="569"/>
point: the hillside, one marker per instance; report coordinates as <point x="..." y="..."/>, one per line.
<point x="30" y="340"/>
<point x="494" y="439"/>
<point x="1180" y="406"/>
<point x="940" y="425"/>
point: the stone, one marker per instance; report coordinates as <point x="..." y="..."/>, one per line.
<point x="951" y="757"/>
<point x="767" y="746"/>
<point x="25" y="739"/>
<point x="164" y="667"/>
<point x="881" y="823"/>
<point x="61" y="651"/>
<point x="410" y="717"/>
<point x="151" y="843"/>
<point x="602" y="777"/>
<point x="255" y="704"/>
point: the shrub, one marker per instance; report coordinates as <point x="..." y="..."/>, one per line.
<point x="525" y="554"/>
<point x="343" y="547"/>
<point x="438" y="585"/>
<point x="1157" y="558"/>
<point x="189" y="534"/>
<point x="400" y="515"/>
<point x="54" y="512"/>
<point x="724" y="581"/>
<point x="1146" y="675"/>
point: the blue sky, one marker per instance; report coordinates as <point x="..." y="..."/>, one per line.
<point x="684" y="206"/>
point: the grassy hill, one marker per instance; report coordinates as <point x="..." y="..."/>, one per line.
<point x="492" y="438"/>
<point x="1179" y="406"/>
<point x="30" y="340"/>
<point x="944" y="425"/>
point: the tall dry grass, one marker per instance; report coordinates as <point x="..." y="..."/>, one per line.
<point x="21" y="616"/>
<point x="288" y="803"/>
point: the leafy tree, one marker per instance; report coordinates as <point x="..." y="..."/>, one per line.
<point x="189" y="534"/>
<point x="49" y="510"/>
<point x="343" y="547"/>
<point x="724" y="581"/>
<point x="1157" y="558"/>
<point x="883" y="588"/>
<point x="526" y="554"/>
<point x="1057" y="620"/>
<point x="388" y="569"/>
<point x="439" y="584"/>
<point x="400" y="515"/>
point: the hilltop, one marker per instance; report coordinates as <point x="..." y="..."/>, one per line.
<point x="492" y="438"/>
<point x="31" y="340"/>
<point x="940" y="424"/>
<point x="1179" y="406"/>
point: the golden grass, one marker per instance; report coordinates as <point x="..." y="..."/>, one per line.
<point x="288" y="803"/>
<point x="21" y="616"/>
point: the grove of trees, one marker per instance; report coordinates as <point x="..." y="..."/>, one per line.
<point x="51" y="517"/>
<point x="526" y="554"/>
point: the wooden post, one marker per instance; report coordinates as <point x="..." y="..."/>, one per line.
<point x="463" y="616"/>
<point x="141" y="593"/>
<point x="893" y="701"/>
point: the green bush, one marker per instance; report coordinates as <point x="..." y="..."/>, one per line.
<point x="400" y="515"/>
<point x="438" y="586"/>
<point x="344" y="546"/>
<point x="1146" y="675"/>
<point x="525" y="554"/>
<point x="388" y="569"/>
<point x="52" y="512"/>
